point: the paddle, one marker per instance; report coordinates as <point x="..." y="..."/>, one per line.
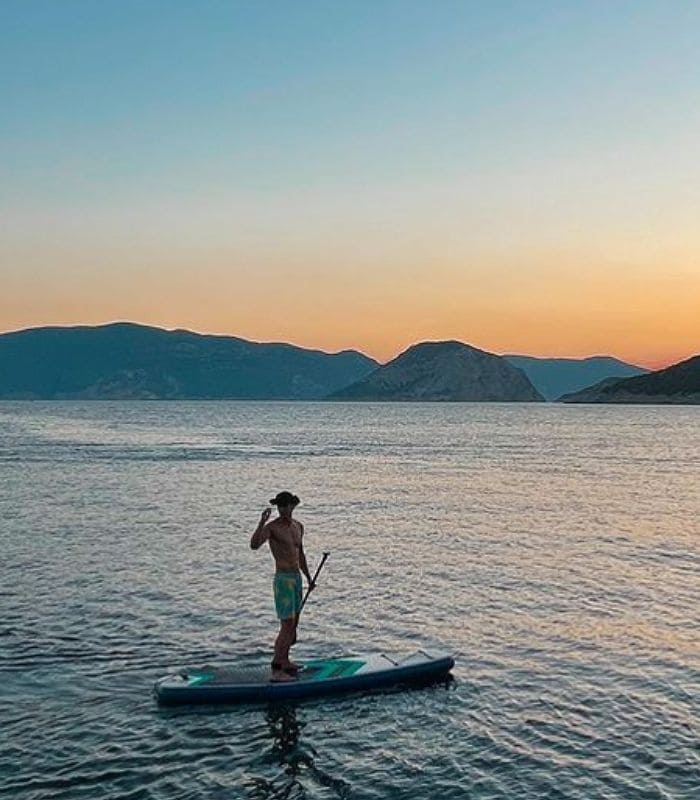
<point x="308" y="592"/>
<point x="313" y="581"/>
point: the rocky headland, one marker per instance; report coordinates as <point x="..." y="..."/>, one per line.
<point x="444" y="371"/>
<point x="678" y="384"/>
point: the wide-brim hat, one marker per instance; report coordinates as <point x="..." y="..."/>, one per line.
<point x="285" y="499"/>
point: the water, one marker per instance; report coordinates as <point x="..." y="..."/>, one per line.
<point x="553" y="549"/>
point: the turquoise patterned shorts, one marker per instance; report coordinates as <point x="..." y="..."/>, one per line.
<point x="287" y="590"/>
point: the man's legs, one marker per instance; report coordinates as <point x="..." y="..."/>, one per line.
<point x="287" y="590"/>
<point x="280" y="660"/>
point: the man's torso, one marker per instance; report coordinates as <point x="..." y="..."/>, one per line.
<point x="285" y="543"/>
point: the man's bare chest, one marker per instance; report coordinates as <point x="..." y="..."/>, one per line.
<point x="288" y="538"/>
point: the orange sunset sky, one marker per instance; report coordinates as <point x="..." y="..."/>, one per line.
<point x="521" y="177"/>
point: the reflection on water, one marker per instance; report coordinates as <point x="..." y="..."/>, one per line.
<point x="294" y="759"/>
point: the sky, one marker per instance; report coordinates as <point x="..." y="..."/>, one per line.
<point x="521" y="176"/>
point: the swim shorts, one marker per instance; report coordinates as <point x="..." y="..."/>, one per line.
<point x="287" y="590"/>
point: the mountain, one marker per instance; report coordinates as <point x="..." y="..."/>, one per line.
<point x="445" y="371"/>
<point x="677" y="384"/>
<point x="127" y="361"/>
<point x="554" y="377"/>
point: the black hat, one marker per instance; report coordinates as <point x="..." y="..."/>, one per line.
<point x="285" y="499"/>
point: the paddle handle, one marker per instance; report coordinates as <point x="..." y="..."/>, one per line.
<point x="313" y="581"/>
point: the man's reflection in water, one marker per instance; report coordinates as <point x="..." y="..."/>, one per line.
<point x="285" y="730"/>
<point x="296" y="760"/>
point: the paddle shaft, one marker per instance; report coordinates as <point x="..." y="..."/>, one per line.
<point x="313" y="581"/>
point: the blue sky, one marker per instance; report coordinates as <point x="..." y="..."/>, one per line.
<point x="239" y="145"/>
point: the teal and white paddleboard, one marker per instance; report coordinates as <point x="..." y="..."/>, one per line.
<point x="317" y="678"/>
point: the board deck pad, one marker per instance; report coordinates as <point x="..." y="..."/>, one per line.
<point x="317" y="670"/>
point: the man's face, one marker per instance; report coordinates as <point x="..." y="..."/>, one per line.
<point x="286" y="511"/>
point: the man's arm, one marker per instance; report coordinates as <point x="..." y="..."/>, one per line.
<point x="262" y="532"/>
<point x="303" y="566"/>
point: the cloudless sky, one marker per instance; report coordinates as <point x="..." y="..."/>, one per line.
<point x="522" y="176"/>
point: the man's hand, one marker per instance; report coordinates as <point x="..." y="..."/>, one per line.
<point x="262" y="534"/>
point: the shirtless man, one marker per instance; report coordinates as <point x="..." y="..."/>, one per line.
<point x="284" y="536"/>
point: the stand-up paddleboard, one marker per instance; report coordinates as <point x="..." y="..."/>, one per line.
<point x="318" y="677"/>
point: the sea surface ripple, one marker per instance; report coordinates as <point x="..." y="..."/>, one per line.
<point x="555" y="550"/>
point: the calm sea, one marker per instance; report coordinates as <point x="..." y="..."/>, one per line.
<point x="555" y="550"/>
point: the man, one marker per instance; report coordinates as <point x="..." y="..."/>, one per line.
<point x="285" y="537"/>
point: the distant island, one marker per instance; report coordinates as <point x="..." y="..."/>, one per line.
<point x="554" y="377"/>
<point x="678" y="384"/>
<point x="124" y="361"/>
<point x="444" y="371"/>
<point x="127" y="361"/>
